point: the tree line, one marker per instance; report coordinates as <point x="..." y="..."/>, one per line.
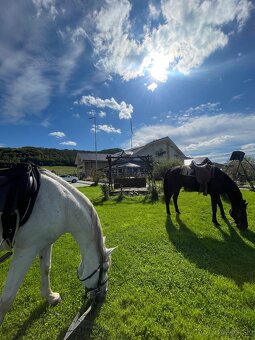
<point x="41" y="156"/>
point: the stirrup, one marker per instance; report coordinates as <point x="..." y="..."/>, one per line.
<point x="5" y="256"/>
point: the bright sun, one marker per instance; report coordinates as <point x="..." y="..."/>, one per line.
<point x="158" y="67"/>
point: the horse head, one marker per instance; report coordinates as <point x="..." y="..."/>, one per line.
<point x="96" y="283"/>
<point x="239" y="214"/>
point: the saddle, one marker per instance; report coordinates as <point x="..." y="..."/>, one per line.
<point x="203" y="172"/>
<point x="19" y="187"/>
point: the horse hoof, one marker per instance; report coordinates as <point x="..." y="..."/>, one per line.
<point x="54" y="299"/>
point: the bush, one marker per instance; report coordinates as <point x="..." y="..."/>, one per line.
<point x="105" y="191"/>
<point x="153" y="191"/>
<point x="160" y="168"/>
<point x="96" y="176"/>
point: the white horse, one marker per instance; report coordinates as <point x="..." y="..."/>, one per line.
<point x="59" y="209"/>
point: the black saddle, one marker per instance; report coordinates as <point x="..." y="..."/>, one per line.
<point x="19" y="187"/>
<point x="204" y="172"/>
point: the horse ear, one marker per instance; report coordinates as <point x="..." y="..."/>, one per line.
<point x="109" y="251"/>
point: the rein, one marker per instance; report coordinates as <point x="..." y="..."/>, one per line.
<point x="78" y="319"/>
<point x="92" y="294"/>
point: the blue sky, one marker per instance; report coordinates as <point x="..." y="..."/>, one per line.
<point x="177" y="68"/>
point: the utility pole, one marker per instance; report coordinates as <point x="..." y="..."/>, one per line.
<point x="131" y="129"/>
<point x="95" y="128"/>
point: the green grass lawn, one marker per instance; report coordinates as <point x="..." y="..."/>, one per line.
<point x="62" y="170"/>
<point x="171" y="278"/>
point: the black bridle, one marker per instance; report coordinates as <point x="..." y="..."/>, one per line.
<point x="101" y="269"/>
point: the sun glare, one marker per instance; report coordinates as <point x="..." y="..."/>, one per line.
<point x="158" y="67"/>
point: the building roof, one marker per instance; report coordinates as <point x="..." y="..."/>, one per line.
<point x="127" y="165"/>
<point x="91" y="156"/>
<point x="134" y="151"/>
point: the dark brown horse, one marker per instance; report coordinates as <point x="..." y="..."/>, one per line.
<point x="221" y="183"/>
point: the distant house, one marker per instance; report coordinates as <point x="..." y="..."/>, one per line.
<point x="160" y="150"/>
<point x="86" y="162"/>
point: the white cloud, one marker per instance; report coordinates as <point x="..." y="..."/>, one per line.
<point x="27" y="94"/>
<point x="247" y="80"/>
<point x="207" y="134"/>
<point x="248" y="148"/>
<point x="46" y="6"/>
<point x="46" y="123"/>
<point x="204" y="108"/>
<point x="33" y="68"/>
<point x="101" y="114"/>
<point x="78" y="33"/>
<point x="154" y="12"/>
<point x="237" y="97"/>
<point x="125" y="110"/>
<point x="57" y="134"/>
<point x="209" y="143"/>
<point x="152" y="87"/>
<point x="66" y="64"/>
<point x="68" y="143"/>
<point x="189" y="34"/>
<point x="106" y="128"/>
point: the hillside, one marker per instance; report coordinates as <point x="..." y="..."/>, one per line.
<point x="41" y="156"/>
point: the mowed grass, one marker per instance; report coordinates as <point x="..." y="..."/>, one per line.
<point x="171" y="278"/>
<point x="62" y="170"/>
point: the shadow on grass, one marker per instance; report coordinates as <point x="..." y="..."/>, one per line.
<point x="35" y="315"/>
<point x="84" y="330"/>
<point x="99" y="201"/>
<point x="231" y="257"/>
<point x="150" y="200"/>
<point x="102" y="200"/>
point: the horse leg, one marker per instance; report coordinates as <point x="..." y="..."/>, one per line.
<point x="175" y="198"/>
<point x="167" y="198"/>
<point x="22" y="260"/>
<point x="214" y="201"/>
<point x="45" y="266"/>
<point x="221" y="208"/>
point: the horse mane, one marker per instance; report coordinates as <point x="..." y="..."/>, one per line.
<point x="95" y="222"/>
<point x="231" y="188"/>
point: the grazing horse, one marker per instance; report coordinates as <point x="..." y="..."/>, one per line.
<point x="59" y="208"/>
<point x="219" y="184"/>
